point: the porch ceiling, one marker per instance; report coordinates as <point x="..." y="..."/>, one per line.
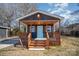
<point x="39" y="22"/>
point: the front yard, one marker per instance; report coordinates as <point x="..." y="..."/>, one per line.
<point x="69" y="47"/>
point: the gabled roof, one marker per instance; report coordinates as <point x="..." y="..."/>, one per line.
<point x="43" y="12"/>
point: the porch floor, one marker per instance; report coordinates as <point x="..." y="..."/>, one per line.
<point x="39" y="38"/>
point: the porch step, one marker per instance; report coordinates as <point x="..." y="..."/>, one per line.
<point x="40" y="39"/>
<point x="38" y="42"/>
<point x="35" y="48"/>
<point x="32" y="44"/>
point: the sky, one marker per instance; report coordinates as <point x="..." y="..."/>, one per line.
<point x="61" y="9"/>
<point x="46" y="6"/>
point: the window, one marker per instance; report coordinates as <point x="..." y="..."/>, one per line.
<point x="32" y="29"/>
<point x="48" y="28"/>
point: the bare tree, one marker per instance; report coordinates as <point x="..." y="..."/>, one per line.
<point x="10" y="12"/>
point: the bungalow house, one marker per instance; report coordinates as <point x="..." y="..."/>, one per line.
<point x="42" y="27"/>
<point x="3" y="31"/>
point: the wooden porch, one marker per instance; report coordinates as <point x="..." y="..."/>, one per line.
<point x="27" y="41"/>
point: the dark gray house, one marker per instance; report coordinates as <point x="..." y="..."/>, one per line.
<point x="71" y="30"/>
<point x="3" y="31"/>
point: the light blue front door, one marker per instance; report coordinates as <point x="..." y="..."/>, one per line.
<point x="39" y="31"/>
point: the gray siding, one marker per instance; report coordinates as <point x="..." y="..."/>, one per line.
<point x="2" y="32"/>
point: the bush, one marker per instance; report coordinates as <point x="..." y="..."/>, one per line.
<point x="14" y="32"/>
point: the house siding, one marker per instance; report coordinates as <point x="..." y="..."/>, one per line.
<point x="3" y="32"/>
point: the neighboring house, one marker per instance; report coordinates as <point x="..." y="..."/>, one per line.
<point x="3" y="32"/>
<point x="72" y="30"/>
<point x="42" y="28"/>
<point x="4" y="27"/>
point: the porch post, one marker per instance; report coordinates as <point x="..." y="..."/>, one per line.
<point x="54" y="30"/>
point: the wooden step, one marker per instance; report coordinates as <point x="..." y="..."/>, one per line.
<point x="37" y="44"/>
<point x="38" y="41"/>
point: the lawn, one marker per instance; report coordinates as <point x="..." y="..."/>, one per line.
<point x="69" y="47"/>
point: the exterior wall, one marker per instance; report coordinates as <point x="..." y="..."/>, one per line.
<point x="76" y="28"/>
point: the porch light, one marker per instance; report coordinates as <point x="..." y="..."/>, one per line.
<point x="38" y="15"/>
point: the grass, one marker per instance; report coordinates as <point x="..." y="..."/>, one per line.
<point x="69" y="47"/>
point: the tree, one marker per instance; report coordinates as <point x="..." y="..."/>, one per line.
<point x="10" y="12"/>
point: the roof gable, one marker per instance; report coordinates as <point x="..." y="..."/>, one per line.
<point x="42" y="12"/>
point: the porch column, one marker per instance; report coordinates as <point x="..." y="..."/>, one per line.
<point x="54" y="31"/>
<point x="57" y="33"/>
